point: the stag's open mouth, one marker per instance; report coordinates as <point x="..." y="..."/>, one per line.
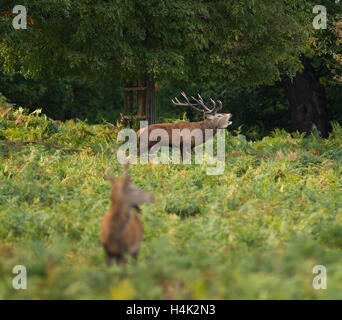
<point x="224" y="121"/>
<point x="229" y="117"/>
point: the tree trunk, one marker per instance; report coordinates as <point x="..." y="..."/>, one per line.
<point x="151" y="102"/>
<point x="190" y="113"/>
<point x="141" y="97"/>
<point x="128" y="100"/>
<point x="306" y="96"/>
<point x="146" y="100"/>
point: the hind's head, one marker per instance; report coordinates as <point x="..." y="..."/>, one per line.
<point x="123" y="190"/>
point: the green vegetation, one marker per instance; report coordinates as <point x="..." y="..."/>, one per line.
<point x="244" y="42"/>
<point x="254" y="232"/>
<point x="76" y="57"/>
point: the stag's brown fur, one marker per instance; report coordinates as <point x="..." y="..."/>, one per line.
<point x="212" y="120"/>
<point x="214" y="124"/>
<point x="121" y="229"/>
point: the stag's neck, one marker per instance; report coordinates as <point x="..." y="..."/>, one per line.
<point x="209" y="124"/>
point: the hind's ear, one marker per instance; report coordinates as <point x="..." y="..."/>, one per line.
<point x="111" y="179"/>
<point x="127" y="180"/>
<point x="127" y="177"/>
<point x="125" y="167"/>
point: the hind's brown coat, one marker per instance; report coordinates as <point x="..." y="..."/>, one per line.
<point x="121" y="229"/>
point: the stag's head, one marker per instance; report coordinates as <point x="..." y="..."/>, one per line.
<point x="216" y="119"/>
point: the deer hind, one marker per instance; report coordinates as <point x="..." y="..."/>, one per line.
<point x="195" y="133"/>
<point x="121" y="229"/>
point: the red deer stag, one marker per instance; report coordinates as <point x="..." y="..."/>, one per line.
<point x="121" y="229"/>
<point x="192" y="137"/>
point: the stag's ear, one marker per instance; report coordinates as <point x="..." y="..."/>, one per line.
<point x="210" y="116"/>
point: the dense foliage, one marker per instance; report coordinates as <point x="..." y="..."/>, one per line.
<point x="81" y="54"/>
<point x="240" y="41"/>
<point x="254" y="232"/>
<point x="65" y="99"/>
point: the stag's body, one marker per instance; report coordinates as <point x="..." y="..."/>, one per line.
<point x="191" y="133"/>
<point x="121" y="229"/>
<point x="196" y="138"/>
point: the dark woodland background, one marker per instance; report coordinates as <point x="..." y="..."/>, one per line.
<point x="174" y="43"/>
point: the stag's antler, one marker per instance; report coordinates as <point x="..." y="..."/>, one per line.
<point x="199" y="102"/>
<point x="187" y="103"/>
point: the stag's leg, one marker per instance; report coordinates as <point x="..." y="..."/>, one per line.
<point x="184" y="155"/>
<point x="152" y="152"/>
<point x="143" y="150"/>
<point x="184" y="151"/>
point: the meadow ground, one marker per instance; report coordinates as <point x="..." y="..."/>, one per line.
<point x="255" y="232"/>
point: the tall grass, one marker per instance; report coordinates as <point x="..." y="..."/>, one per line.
<point x="256" y="231"/>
